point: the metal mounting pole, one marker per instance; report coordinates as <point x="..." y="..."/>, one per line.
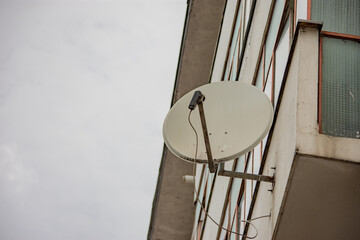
<point x="198" y="99"/>
<point x="206" y="137"/>
<point x="249" y="176"/>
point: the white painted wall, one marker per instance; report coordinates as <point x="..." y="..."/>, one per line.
<point x="283" y="143"/>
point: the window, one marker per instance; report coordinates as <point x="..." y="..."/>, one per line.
<point x="339" y="73"/>
<point x="237" y="40"/>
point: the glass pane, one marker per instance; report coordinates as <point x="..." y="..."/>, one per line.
<point x="263" y="142"/>
<point x="281" y="50"/>
<point x="341" y="88"/>
<point x="233" y="202"/>
<point x="233" y="53"/>
<point x="257" y="158"/>
<point x="227" y="70"/>
<point x="259" y="78"/>
<point x="273" y="30"/>
<point x="337" y="16"/>
<point x="234" y="195"/>
<point x="248" y="196"/>
<point x="242" y="215"/>
<point x="200" y="191"/>
<point x="240" y="167"/>
<point x="208" y="189"/>
<point x="268" y="87"/>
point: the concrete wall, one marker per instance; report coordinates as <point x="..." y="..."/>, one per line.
<point x="280" y="154"/>
<point x="309" y="140"/>
<point x="173" y="210"/>
<point x="322" y="201"/>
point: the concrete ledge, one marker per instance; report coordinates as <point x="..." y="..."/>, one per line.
<point x="173" y="211"/>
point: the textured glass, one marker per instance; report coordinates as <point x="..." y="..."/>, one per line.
<point x="337" y="16"/>
<point x="341" y="88"/>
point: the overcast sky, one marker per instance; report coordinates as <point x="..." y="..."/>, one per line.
<point x="84" y="88"/>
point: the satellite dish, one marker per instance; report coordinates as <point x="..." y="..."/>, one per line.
<point x="238" y="117"/>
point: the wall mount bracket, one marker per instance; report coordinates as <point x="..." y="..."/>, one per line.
<point x="197" y="100"/>
<point x="248" y="176"/>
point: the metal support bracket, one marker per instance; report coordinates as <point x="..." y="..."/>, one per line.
<point x="249" y="176"/>
<point x="206" y="136"/>
<point x="198" y="99"/>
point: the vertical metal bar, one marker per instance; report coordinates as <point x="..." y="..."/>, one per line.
<point x="229" y="216"/>
<point x="261" y="151"/>
<point x="206" y="137"/>
<point x="263" y="66"/>
<point x="273" y="78"/>
<point x="252" y="171"/>
<point x="244" y="203"/>
<point x="320" y="86"/>
<point x="237" y="212"/>
<point x="295" y="16"/>
<point x="199" y="232"/>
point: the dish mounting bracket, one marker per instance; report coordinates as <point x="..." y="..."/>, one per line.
<point x="197" y="100"/>
<point x="248" y="176"/>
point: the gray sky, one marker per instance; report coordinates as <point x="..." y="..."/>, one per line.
<point x="84" y="88"/>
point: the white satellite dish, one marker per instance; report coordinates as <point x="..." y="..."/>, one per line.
<point x="238" y="117"/>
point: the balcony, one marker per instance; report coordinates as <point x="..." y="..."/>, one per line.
<point x="317" y="191"/>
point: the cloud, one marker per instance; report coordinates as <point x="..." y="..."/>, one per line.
<point x="85" y="86"/>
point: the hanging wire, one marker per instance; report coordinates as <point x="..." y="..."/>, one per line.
<point x="197" y="194"/>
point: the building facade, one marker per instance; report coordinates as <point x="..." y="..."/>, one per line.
<point x="305" y="55"/>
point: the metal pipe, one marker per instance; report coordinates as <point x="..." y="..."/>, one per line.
<point x="206" y="135"/>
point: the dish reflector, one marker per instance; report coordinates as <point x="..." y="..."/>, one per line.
<point x="238" y="117"/>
